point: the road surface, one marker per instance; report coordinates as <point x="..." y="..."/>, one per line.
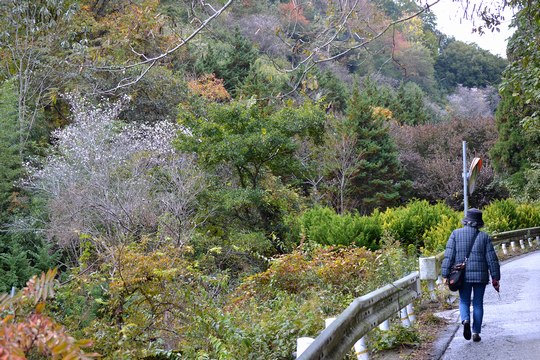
<point x="511" y="326"/>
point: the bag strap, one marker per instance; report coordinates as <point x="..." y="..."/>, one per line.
<point x="470" y="249"/>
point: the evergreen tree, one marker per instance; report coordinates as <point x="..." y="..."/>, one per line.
<point x="336" y="92"/>
<point x="516" y="149"/>
<point x="10" y="161"/>
<point x="410" y="108"/>
<point x="239" y="60"/>
<point x="231" y="62"/>
<point x="21" y="255"/>
<point x="380" y="182"/>
<point x="15" y="266"/>
<point x="515" y="154"/>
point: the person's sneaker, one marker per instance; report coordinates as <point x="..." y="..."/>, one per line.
<point x="467" y="330"/>
<point x="476" y="337"/>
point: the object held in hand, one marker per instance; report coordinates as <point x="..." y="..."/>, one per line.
<point x="495" y="284"/>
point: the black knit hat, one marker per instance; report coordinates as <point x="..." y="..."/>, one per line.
<point x="473" y="218"/>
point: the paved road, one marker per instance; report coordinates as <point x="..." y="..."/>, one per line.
<point x="511" y="326"/>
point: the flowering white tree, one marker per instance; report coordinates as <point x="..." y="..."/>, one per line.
<point x="114" y="182"/>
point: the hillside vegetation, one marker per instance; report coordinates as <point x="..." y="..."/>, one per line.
<point x="212" y="180"/>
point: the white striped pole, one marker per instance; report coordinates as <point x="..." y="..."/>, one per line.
<point x="529" y="240"/>
<point x="431" y="289"/>
<point x="404" y="318"/>
<point x="385" y="325"/>
<point x="361" y="350"/>
<point x="410" y="313"/>
<point x="302" y="344"/>
<point x="513" y="245"/>
<point x="522" y="244"/>
<point x="505" y="252"/>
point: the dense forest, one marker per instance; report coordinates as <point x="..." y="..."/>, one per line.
<point x="210" y="180"/>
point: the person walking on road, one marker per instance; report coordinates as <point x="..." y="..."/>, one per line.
<point x="481" y="262"/>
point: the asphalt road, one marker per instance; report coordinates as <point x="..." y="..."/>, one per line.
<point x="511" y="326"/>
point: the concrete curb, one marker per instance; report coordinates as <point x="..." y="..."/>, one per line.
<point x="445" y="337"/>
<point x="443" y="340"/>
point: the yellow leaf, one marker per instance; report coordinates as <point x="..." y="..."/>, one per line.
<point x="84" y="342"/>
<point x="58" y="349"/>
<point x="40" y="307"/>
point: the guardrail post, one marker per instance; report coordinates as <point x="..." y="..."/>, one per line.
<point x="513" y="245"/>
<point x="328" y="321"/>
<point x="404" y="317"/>
<point x="429" y="272"/>
<point x="505" y="251"/>
<point x="529" y="240"/>
<point x="411" y="314"/>
<point x="361" y="350"/>
<point x="522" y="244"/>
<point x="302" y="344"/>
<point x="538" y="241"/>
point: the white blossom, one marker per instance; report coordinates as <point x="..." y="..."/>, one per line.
<point x="115" y="181"/>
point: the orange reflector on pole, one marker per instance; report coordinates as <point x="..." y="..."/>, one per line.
<point x="474" y="171"/>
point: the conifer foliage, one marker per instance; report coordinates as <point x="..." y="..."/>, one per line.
<point x="379" y="182"/>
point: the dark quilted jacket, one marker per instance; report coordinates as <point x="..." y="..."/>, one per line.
<point x="482" y="259"/>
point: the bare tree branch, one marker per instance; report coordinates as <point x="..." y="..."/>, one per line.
<point x="149" y="62"/>
<point x="319" y="55"/>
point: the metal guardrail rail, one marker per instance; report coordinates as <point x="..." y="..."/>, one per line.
<point x="520" y="234"/>
<point x="362" y="315"/>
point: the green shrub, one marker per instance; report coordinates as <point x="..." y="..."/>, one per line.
<point x="323" y="226"/>
<point x="394" y="337"/>
<point x="409" y="224"/>
<point x="501" y="215"/>
<point x="509" y="214"/>
<point x="436" y="237"/>
<point x="528" y="215"/>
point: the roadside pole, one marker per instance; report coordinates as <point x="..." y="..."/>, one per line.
<point x="465" y="176"/>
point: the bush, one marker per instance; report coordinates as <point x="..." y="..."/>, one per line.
<point x="299" y="290"/>
<point x="323" y="226"/>
<point x="501" y="215"/>
<point x="528" y="215"/>
<point x="394" y="337"/>
<point x="509" y="214"/>
<point x="413" y="223"/>
<point x="436" y="237"/>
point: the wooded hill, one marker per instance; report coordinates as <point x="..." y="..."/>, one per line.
<point x="164" y="154"/>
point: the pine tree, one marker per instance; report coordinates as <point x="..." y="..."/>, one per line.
<point x="231" y="62"/>
<point x="15" y="267"/>
<point x="239" y="60"/>
<point x="10" y="161"/>
<point x="379" y="182"/>
<point x="410" y="108"/>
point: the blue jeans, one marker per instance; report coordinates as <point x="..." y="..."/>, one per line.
<point x="478" y="290"/>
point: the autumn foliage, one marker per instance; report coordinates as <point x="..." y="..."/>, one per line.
<point x="210" y="87"/>
<point x="25" y="329"/>
<point x="293" y="12"/>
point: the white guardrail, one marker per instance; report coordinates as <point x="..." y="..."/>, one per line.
<point x="376" y="308"/>
<point x="362" y="315"/>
